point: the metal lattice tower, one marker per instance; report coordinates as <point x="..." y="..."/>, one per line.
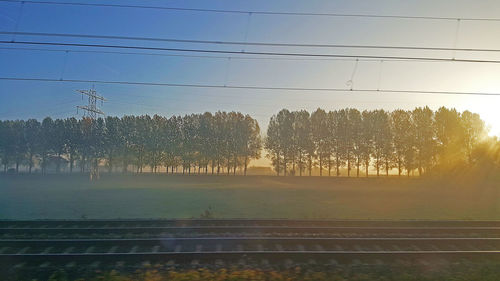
<point x="91" y="111"/>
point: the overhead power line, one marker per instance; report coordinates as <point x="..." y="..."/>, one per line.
<point x="255" y="12"/>
<point x="197" y="56"/>
<point x="176" y="55"/>
<point x="241" y="87"/>
<point x="310" y="55"/>
<point x="241" y="43"/>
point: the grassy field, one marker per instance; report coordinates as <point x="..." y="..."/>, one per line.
<point x="167" y="196"/>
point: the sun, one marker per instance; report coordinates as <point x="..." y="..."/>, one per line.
<point x="488" y="107"/>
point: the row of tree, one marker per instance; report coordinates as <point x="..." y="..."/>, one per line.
<point x="348" y="139"/>
<point x="297" y="142"/>
<point x="224" y="141"/>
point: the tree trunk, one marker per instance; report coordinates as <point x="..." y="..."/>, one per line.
<point x="246" y="160"/>
<point x="320" y="165"/>
<point x="329" y="165"/>
<point x="71" y="161"/>
<point x="278" y="163"/>
<point x="235" y="161"/>
<point x="140" y="162"/>
<point x="284" y="165"/>
<point x="337" y="164"/>
<point x="58" y="163"/>
<point x="300" y="163"/>
<point x="310" y="165"/>
<point x="82" y="165"/>
<point x="348" y="163"/>
<point x="125" y="166"/>
<point x="110" y="163"/>
<point x="43" y="163"/>
<point x="30" y="162"/>
<point x="358" y="163"/>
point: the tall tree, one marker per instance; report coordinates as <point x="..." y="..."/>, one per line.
<point x="450" y="135"/>
<point x="382" y="146"/>
<point x="355" y="137"/>
<point x="32" y="136"/>
<point x="366" y="139"/>
<point x="303" y="141"/>
<point x="73" y="138"/>
<point x="113" y="140"/>
<point x="423" y="119"/>
<point x="252" y="143"/>
<point x="319" y="129"/>
<point x="46" y="146"/>
<point x="400" y="124"/>
<point x="474" y="132"/>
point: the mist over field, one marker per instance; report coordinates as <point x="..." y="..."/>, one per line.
<point x="170" y="196"/>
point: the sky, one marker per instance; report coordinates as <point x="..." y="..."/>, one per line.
<point x="22" y="99"/>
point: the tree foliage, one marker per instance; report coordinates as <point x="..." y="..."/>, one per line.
<point x="417" y="140"/>
<point x="223" y="140"/>
<point x="297" y="142"/>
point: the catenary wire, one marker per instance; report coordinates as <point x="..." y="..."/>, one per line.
<point x="192" y="56"/>
<point x="241" y="43"/>
<point x="242" y="87"/>
<point x="256" y="12"/>
<point x="317" y="55"/>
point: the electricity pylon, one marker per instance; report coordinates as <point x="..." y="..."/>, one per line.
<point x="91" y="111"/>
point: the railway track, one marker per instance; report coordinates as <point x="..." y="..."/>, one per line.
<point x="195" y="228"/>
<point x="48" y="245"/>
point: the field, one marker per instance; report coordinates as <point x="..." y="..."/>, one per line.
<point x="167" y="196"/>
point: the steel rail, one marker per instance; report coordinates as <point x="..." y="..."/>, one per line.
<point x="255" y="221"/>
<point x="184" y="244"/>
<point x="253" y="238"/>
<point x="241" y="227"/>
<point x="232" y="256"/>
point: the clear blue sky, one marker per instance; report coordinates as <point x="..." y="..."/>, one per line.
<point x="40" y="99"/>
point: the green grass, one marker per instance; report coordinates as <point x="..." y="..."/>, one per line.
<point x="166" y="196"/>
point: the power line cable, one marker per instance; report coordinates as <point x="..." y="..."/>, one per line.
<point x="256" y="12"/>
<point x="244" y="43"/>
<point x="241" y="87"/>
<point x="318" y="55"/>
<point x="191" y="56"/>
